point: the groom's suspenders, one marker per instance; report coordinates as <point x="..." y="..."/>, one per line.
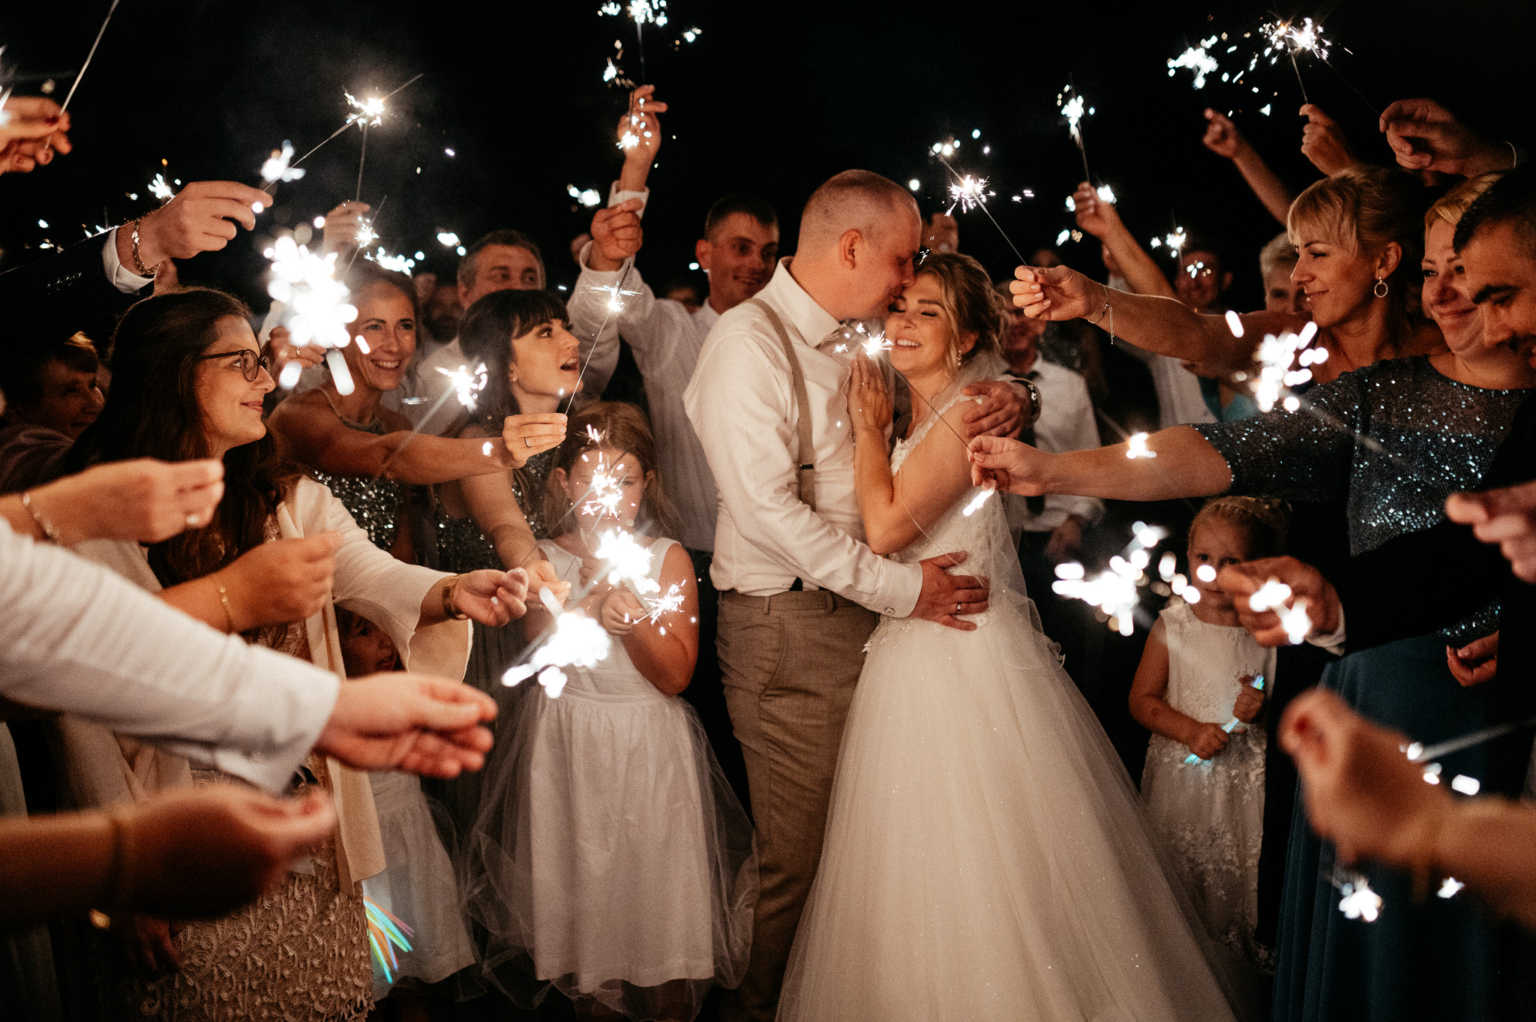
<point x="802" y="403"/>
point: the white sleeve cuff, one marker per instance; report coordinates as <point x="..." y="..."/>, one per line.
<point x="122" y="278"/>
<point x="617" y="196"/>
<point x="1333" y="642"/>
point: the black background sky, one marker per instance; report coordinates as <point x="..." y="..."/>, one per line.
<point x="772" y="98"/>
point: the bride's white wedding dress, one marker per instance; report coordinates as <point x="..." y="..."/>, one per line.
<point x="986" y="856"/>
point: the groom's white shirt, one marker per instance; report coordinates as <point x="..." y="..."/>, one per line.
<point x="742" y="405"/>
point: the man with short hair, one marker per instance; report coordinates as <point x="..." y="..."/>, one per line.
<point x="504" y="260"/>
<point x="51" y="395"/>
<point x="800" y="592"/>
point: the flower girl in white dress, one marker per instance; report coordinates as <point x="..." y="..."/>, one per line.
<point x="610" y="858"/>
<point x="1197" y="689"/>
<point x="986" y="856"/>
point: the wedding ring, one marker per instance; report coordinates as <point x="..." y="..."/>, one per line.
<point x="957" y="608"/>
<point x="526" y="442"/>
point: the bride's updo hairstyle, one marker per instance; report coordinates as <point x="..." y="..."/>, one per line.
<point x="1266" y="521"/>
<point x="619" y="426"/>
<point x="970" y="303"/>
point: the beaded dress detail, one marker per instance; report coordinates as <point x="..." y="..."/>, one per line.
<point x="374" y="502"/>
<point x="1423" y="436"/>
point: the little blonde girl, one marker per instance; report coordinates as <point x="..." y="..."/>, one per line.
<point x="610" y="858"/>
<point x="1197" y="688"/>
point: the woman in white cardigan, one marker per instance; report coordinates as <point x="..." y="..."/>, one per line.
<point x="189" y="381"/>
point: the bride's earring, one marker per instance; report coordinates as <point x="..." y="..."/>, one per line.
<point x="1380" y="290"/>
<point x="954" y="357"/>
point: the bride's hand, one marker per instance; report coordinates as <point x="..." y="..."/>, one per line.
<point x="869" y="405"/>
<point x="1055" y="293"/>
<point x="1009" y="465"/>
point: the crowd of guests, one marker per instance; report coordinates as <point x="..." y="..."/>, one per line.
<point x="633" y="842"/>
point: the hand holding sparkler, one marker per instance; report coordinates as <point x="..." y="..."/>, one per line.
<point x="1268" y="620"/>
<point x="530" y="434"/>
<point x="31" y="128"/>
<point x="1362" y="792"/>
<point x="1222" y="136"/>
<point x="1323" y="142"/>
<point x="639" y="137"/>
<point x="621" y="611"/>
<point x="869" y="403"/>
<point x="196" y="220"/>
<point x="1476" y="662"/>
<point x="1009" y="465"/>
<point x="1246" y="707"/>
<point x="1427" y="136"/>
<point x="488" y="596"/>
<point x="281" y="349"/>
<point x="1506" y="517"/>
<point x="616" y="235"/>
<point x="1206" y="741"/>
<point x="343" y="230"/>
<point x="1098" y="218"/>
<point x="1056" y="293"/>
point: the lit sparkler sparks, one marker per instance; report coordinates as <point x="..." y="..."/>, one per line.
<point x="161" y="190"/>
<point x="968" y="193"/>
<point x="578" y="641"/>
<point x="1114" y="591"/>
<point x="1275" y="595"/>
<point x="1173" y="241"/>
<point x="627" y="561"/>
<point x="1105" y="194"/>
<point x="974" y="504"/>
<point x="1449" y="887"/>
<point x="316" y="310"/>
<point x="467" y="383"/>
<point x="1284" y="363"/>
<point x="398" y="263"/>
<point x="365" y="112"/>
<point x="1359" y="901"/>
<point x="588" y="197"/>
<point x="1285" y="37"/>
<point x="277" y="166"/>
<point x="1074" y="108"/>
<point x="1136" y="447"/>
<point x="1197" y="59"/>
<point x="615" y="295"/>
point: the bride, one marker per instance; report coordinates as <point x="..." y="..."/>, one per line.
<point x="985" y="855"/>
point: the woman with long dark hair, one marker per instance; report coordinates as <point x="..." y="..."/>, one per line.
<point x="189" y="382"/>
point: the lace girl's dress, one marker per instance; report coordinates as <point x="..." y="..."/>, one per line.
<point x="1209" y="816"/>
<point x="1394" y="439"/>
<point x="417" y="885"/>
<point x="610" y="858"/>
<point x="986" y="855"/>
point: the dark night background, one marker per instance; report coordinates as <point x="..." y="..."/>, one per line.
<point x="772" y="98"/>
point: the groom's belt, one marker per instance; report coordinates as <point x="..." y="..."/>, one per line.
<point x="794" y="600"/>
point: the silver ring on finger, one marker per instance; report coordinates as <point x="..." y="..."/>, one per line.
<point x="527" y="443"/>
<point x="957" y="606"/>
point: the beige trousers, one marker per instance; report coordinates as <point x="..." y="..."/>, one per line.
<point x="790" y="663"/>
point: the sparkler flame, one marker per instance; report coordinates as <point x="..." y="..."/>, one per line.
<point x="366" y="112"/>
<point x="968" y="193"/>
<point x="1074" y="110"/>
<point x="160" y="189"/>
<point x="317" y="310"/>
<point x="615" y="295"/>
<point x="1283" y="364"/>
<point x="587" y="197"/>
<point x="578" y="641"/>
<point x="398" y="263"/>
<point x="1196" y="59"/>
<point x="975" y="503"/>
<point x="276" y="167"/>
<point x="1274" y="595"/>
<point x="1290" y="40"/>
<point x="467" y="383"/>
<point x="1115" y="591"/>
<point x="1359" y="901"/>
<point x="1136" y="447"/>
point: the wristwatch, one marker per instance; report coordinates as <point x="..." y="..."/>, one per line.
<point x="1034" y="400"/>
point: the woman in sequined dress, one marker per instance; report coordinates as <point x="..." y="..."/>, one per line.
<point x="1394" y="439"/>
<point x="189" y="382"/>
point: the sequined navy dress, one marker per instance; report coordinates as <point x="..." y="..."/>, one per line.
<point x="1393" y="440"/>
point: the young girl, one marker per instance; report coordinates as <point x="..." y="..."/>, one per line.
<point x="1199" y="672"/>
<point x="610" y="858"/>
<point x="417" y="885"/>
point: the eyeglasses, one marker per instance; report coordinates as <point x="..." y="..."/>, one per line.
<point x="249" y="363"/>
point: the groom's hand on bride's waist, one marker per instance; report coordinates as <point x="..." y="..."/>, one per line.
<point x="945" y="597"/>
<point x="1003" y="410"/>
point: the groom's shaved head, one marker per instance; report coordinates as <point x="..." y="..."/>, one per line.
<point x="855" y="200"/>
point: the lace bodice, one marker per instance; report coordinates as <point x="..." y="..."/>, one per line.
<point x="975" y="533"/>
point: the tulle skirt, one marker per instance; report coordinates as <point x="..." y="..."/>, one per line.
<point x="417" y="886"/>
<point x="610" y="858"/>
<point x="986" y="856"/>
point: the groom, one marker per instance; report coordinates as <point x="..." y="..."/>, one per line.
<point x="800" y="592"/>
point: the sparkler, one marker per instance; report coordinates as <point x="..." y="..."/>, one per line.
<point x="398" y="263"/>
<point x="1231" y="725"/>
<point x="316" y="310"/>
<point x="577" y="641"/>
<point x="1358" y="901"/>
<point x="1284" y="363"/>
<point x="386" y="931"/>
<point x="1275" y="595"/>
<point x="615" y="295"/>
<point x="968" y="193"/>
<point x="974" y="504"/>
<point x="1196" y="59"/>
<point x="1174" y="241"/>
<point x="278" y="166"/>
<point x="88" y="57"/>
<point x="161" y="190"/>
<point x="1074" y="108"/>
<point x="467" y="383"/>
<point x="587" y="197"/>
<point x="1114" y="591"/>
<point x="1136" y="447"/>
<point x="366" y="110"/>
<point x="1286" y="38"/>
<point x="642" y="11"/>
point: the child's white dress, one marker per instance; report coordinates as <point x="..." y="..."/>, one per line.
<point x="609" y="856"/>
<point x="1209" y="816"/>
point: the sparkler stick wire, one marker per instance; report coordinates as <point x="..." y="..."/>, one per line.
<point x="347" y="125"/>
<point x="81" y="74"/>
<point x="1295" y="67"/>
<point x="361" y="160"/>
<point x="984" y="209"/>
<point x="1426" y="753"/>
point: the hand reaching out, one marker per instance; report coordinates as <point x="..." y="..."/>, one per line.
<point x="342" y="226"/>
<point x="531" y="433"/>
<point x="616" y="235"/>
<point x="142" y="500"/>
<point x="1222" y="136"/>
<point x="639" y="136"/>
<point x="1323" y="142"/>
<point x="492" y="597"/>
<point x="31" y="129"/>
<point x="1506" y="517"/>
<point x="409" y="722"/>
<point x="622" y="610"/>
<point x="281" y="581"/>
<point x="197" y="220"/>
<point x="1055" y="293"/>
<point x="1306" y="582"/>
<point x="1008" y="465"/>
<point x="1098" y="218"/>
<point x="1000" y="410"/>
<point x="282" y="350"/>
<point x="1427" y="136"/>
<point x="1476" y="662"/>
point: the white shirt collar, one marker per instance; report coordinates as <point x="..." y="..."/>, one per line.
<point x="799" y="309"/>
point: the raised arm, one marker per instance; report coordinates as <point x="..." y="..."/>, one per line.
<point x="1223" y="139"/>
<point x="1179" y="462"/>
<point x="1159" y="325"/>
<point x="896" y="510"/>
<point x="319" y="439"/>
<point x="1102" y="220"/>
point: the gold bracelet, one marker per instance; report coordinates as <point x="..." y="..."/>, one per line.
<point x="119" y="874"/>
<point x="449" y="610"/>
<point x="138" y="263"/>
<point x="229" y="615"/>
<point x="50" y="533"/>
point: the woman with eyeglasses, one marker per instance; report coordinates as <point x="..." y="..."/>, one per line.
<point x="189" y="381"/>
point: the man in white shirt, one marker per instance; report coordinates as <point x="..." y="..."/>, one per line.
<point x="800" y="591"/>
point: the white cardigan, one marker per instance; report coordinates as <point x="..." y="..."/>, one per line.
<point x="104" y="768"/>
